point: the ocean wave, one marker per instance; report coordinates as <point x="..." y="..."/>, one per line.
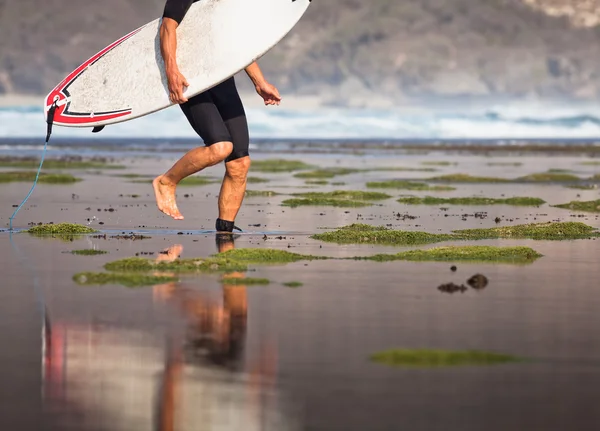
<point x="505" y="122"/>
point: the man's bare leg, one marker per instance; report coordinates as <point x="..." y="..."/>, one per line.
<point x="193" y="161"/>
<point x="233" y="188"/>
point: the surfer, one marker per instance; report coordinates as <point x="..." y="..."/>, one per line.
<point x="218" y="117"/>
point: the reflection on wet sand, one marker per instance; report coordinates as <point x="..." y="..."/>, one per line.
<point x="198" y="377"/>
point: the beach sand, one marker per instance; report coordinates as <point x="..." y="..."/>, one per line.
<point x="120" y="358"/>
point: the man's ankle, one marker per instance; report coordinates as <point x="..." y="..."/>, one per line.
<point x="224" y="225"/>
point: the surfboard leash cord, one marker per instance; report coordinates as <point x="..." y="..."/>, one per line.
<point x="49" y="121"/>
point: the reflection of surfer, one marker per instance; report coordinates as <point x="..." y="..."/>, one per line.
<point x="216" y="332"/>
<point x="218" y="117"/>
<point x="216" y="329"/>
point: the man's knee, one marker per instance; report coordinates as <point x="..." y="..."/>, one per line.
<point x="238" y="169"/>
<point x="220" y="151"/>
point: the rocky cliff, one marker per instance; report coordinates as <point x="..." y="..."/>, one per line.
<point x="349" y="51"/>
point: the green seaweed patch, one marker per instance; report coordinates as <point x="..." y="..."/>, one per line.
<point x="345" y="194"/>
<point x="264" y="255"/>
<point x="340" y="203"/>
<point x="586" y="206"/>
<point x="326" y="173"/>
<point x="582" y="186"/>
<point x="550" y="177"/>
<point x="475" y="253"/>
<point x="367" y="234"/>
<point x="20" y="176"/>
<point x="245" y="281"/>
<point x="257" y="180"/>
<point x="591" y="163"/>
<point x="430" y="200"/>
<point x="358" y="233"/>
<point x="132" y="176"/>
<point x="560" y="171"/>
<point x="27" y="163"/>
<point x="60" y="229"/>
<point x="338" y="198"/>
<point x="338" y="183"/>
<point x="317" y="182"/>
<point x="537" y="231"/>
<point x="197" y="181"/>
<point x="407" y="185"/>
<point x="260" y="193"/>
<point x="88" y="252"/>
<point x="466" y="178"/>
<point x="209" y="265"/>
<point x="441" y="358"/>
<point x="279" y="165"/>
<point x="124" y="279"/>
<point x="293" y="284"/>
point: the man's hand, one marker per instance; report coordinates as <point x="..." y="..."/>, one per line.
<point x="177" y="82"/>
<point x="269" y="93"/>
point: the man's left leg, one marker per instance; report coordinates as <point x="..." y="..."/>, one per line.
<point x="233" y="189"/>
<point x="237" y="164"/>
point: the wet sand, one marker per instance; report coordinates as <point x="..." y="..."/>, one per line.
<point x="201" y="353"/>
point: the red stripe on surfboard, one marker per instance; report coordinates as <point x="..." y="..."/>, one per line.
<point x="85" y="119"/>
<point x="58" y="90"/>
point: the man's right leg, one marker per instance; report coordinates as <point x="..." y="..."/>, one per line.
<point x="193" y="161"/>
<point x="206" y="120"/>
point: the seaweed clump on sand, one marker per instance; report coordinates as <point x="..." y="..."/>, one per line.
<point x="582" y="186"/>
<point x="338" y="198"/>
<point x="293" y="284"/>
<point x="465" y="178"/>
<point x="88" y="252"/>
<point x="407" y="185"/>
<point x="264" y="255"/>
<point x="257" y="180"/>
<point x="550" y="177"/>
<point x="260" y="193"/>
<point x="326" y="173"/>
<point x="197" y="181"/>
<point x="279" y="165"/>
<point x="537" y="231"/>
<point x="430" y="200"/>
<point x="472" y="253"/>
<point x="44" y="178"/>
<point x="440" y="358"/>
<point x="586" y="206"/>
<point x="209" y="265"/>
<point x="134" y="271"/>
<point x="63" y="231"/>
<point x="367" y="234"/>
<point x="358" y="233"/>
<point x="124" y="279"/>
<point x="62" y="163"/>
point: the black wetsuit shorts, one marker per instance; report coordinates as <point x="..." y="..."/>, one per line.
<point x="217" y="115"/>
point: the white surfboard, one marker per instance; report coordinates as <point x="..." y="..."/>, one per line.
<point x="215" y="40"/>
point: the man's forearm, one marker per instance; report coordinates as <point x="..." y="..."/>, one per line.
<point x="168" y="44"/>
<point x="255" y="74"/>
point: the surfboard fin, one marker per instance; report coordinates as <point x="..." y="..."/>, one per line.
<point x="97" y="129"/>
<point x="50" y="120"/>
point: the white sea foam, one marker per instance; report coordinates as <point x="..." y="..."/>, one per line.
<point x="495" y="122"/>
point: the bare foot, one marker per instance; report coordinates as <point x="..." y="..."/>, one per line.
<point x="165" y="198"/>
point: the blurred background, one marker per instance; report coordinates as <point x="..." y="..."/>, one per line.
<point x="432" y="69"/>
